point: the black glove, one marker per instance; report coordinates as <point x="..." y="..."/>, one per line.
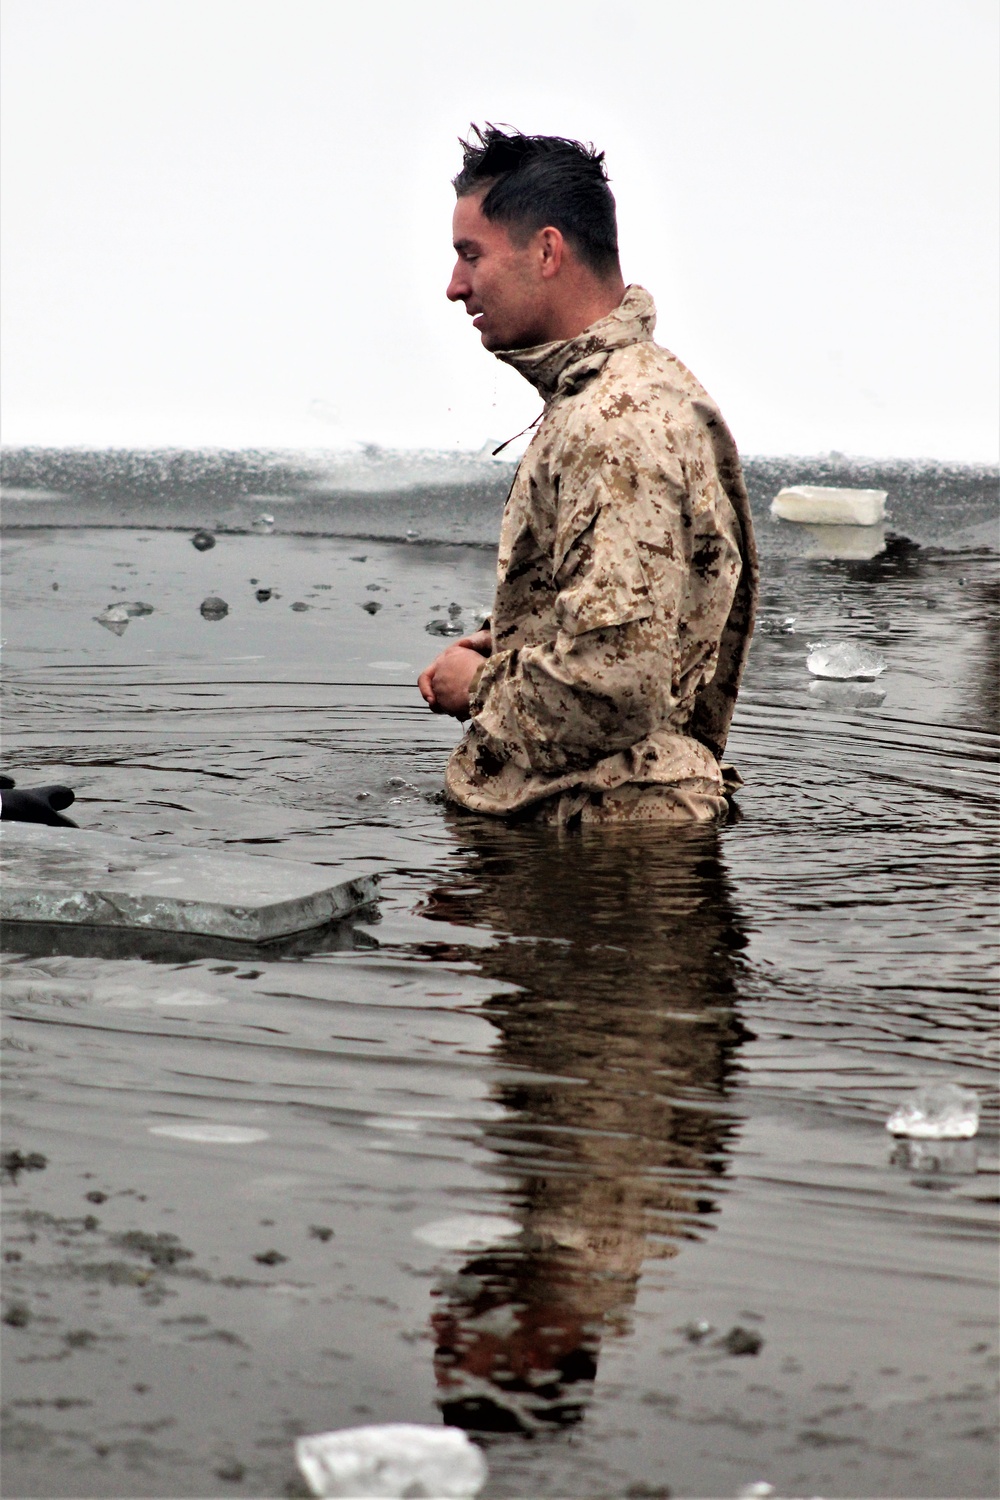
<point x="35" y="804"/>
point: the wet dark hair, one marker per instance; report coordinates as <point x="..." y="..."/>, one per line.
<point x="535" y="180"/>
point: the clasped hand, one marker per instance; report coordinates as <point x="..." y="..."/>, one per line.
<point x="444" y="685"/>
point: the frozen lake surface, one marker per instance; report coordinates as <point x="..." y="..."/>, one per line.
<point x="575" y="1141"/>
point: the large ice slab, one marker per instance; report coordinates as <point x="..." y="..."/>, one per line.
<point x="81" y="877"/>
<point x="823" y="505"/>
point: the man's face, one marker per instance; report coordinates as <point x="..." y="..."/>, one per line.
<point x="501" y="284"/>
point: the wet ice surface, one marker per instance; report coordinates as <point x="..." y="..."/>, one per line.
<point x="941" y="1112"/>
<point x="844" y="660"/>
<point x="493" y="1156"/>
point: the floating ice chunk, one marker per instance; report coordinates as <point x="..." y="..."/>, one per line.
<point x="821" y="505"/>
<point x="939" y="1112"/>
<point x="203" y="541"/>
<point x="214" y="608"/>
<point x="206" y="1133"/>
<point x="467" y="1231"/>
<point x="446" y="627"/>
<point x="300" y="606"/>
<point x="134" y="607"/>
<point x="844" y="659"/>
<point x="395" y="1460"/>
<point x="372" y="607"/>
<point x="263" y="525"/>
<point x="759" y="1490"/>
<point x="115" y="618"/>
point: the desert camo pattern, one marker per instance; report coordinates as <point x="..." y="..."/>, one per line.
<point x="626" y="588"/>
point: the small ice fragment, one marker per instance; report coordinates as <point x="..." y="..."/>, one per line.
<point x="467" y="1231"/>
<point x="263" y="525"/>
<point x="391" y="666"/>
<point x="135" y="607"/>
<point x="394" y="1460"/>
<point x="844" y="659"/>
<point x="760" y="1490"/>
<point x="939" y="1112"/>
<point x="189" y="998"/>
<point x="214" y="608"/>
<point x="208" y="1134"/>
<point x="742" y="1341"/>
<point x="372" y="607"/>
<point x="822" y="505"/>
<point x="299" y="606"/>
<point x="445" y="627"/>
<point x="454" y="610"/>
<point x="696" y="1331"/>
<point x="203" y="541"/>
<point x="115" y="618"/>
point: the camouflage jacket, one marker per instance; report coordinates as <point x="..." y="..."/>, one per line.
<point x="626" y="580"/>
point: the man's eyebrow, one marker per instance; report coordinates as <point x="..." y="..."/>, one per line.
<point x="461" y="245"/>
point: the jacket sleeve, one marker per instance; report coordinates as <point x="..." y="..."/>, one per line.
<point x="607" y="679"/>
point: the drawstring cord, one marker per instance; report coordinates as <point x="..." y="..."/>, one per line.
<point x="519" y="434"/>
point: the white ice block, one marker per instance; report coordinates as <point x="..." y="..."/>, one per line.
<point x="82" y="877"/>
<point x="820" y="505"/>
<point x="395" y="1460"/>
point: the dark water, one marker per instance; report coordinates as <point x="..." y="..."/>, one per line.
<point x="560" y="1101"/>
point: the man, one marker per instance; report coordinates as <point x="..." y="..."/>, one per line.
<point x="604" y="685"/>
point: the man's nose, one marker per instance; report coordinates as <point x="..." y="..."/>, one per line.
<point x="458" y="287"/>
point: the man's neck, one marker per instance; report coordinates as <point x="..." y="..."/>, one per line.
<point x="590" y="302"/>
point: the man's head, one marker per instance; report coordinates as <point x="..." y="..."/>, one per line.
<point x="536" y="238"/>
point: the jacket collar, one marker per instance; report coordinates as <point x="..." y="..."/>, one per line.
<point x="559" y="368"/>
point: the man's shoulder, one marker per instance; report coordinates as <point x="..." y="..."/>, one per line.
<point x="652" y="373"/>
<point x="643" y="387"/>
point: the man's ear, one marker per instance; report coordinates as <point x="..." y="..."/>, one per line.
<point x="551" y="247"/>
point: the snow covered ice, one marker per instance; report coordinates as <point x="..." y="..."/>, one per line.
<point x="939" y="1112"/>
<point x="844" y="659"/>
<point x="398" y="1459"/>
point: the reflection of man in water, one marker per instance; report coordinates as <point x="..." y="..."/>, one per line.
<point x="604" y="687"/>
<point x="615" y="1053"/>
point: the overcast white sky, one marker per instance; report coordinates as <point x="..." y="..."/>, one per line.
<point x="227" y="222"/>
